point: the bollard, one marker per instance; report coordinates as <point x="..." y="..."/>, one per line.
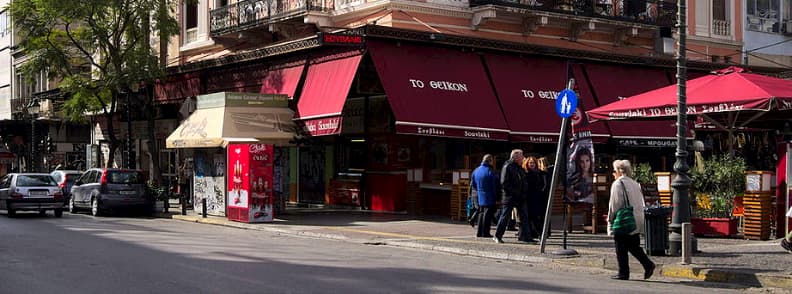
<point x="203" y="207"/>
<point x="687" y="249"/>
<point x="184" y="205"/>
<point x="166" y="204"/>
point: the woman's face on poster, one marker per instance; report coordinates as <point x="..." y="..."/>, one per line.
<point x="585" y="163"/>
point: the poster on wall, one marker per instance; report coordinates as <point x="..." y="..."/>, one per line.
<point x="580" y="161"/>
<point x="238" y="175"/>
<point x="261" y="183"/>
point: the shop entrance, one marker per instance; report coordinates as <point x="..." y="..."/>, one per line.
<point x="312" y="174"/>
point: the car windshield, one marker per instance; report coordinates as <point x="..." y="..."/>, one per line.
<point x="124" y="177"/>
<point x="35" y="181"/>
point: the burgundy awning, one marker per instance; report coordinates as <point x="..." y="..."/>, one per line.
<point x="610" y="83"/>
<point x="263" y="78"/>
<point x="325" y="90"/>
<point x="173" y="89"/>
<point x="437" y="91"/>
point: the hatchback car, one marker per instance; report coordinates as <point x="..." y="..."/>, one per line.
<point x="65" y="180"/>
<point x="30" y="192"/>
<point x="101" y="190"/>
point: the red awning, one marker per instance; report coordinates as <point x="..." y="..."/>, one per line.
<point x="283" y="79"/>
<point x="527" y="88"/>
<point x="325" y="91"/>
<point x="177" y="87"/>
<point x="610" y="83"/>
<point x="438" y="92"/>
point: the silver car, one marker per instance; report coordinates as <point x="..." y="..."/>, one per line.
<point x="101" y="190"/>
<point x="30" y="192"/>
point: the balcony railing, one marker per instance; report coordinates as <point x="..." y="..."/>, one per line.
<point x="721" y="27"/>
<point x="653" y="12"/>
<point x="252" y="13"/>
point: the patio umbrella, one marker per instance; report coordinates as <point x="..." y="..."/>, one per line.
<point x="720" y="98"/>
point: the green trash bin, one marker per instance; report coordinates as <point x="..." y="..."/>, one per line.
<point x="656" y="229"/>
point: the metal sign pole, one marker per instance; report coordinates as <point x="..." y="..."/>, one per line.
<point x="559" y="161"/>
<point x="788" y="178"/>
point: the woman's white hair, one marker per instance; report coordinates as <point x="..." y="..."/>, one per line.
<point x="623" y="166"/>
<point x="515" y="153"/>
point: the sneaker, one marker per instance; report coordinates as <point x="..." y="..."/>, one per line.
<point x="619" y="277"/>
<point x="497" y="240"/>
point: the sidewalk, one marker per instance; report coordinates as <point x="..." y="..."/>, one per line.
<point x="735" y="261"/>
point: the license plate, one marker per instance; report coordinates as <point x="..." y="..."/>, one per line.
<point x="38" y="194"/>
<point x="127" y="192"/>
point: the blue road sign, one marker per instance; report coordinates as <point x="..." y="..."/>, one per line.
<point x="566" y="103"/>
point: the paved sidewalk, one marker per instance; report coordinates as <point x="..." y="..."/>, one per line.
<point x="735" y="261"/>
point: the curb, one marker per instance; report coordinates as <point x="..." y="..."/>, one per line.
<point x="596" y="261"/>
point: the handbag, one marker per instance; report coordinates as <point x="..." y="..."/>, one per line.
<point x="624" y="222"/>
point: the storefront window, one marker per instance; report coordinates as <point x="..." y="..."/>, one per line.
<point x="442" y="157"/>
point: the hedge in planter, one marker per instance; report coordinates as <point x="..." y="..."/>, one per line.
<point x="716" y="186"/>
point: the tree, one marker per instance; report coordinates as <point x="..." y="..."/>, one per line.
<point x="97" y="49"/>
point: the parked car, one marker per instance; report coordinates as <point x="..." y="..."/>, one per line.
<point x="30" y="192"/>
<point x="101" y="190"/>
<point x="65" y="180"/>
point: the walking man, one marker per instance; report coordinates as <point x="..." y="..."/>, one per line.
<point x="485" y="182"/>
<point x="514" y="189"/>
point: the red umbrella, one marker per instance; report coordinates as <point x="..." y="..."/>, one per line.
<point x="727" y="92"/>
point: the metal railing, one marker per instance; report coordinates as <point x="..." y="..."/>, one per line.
<point x="653" y="12"/>
<point x="251" y="13"/>
<point x="721" y="27"/>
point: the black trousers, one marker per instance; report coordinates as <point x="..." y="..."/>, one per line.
<point x="486" y="214"/>
<point x="631" y="244"/>
<point x="525" y="229"/>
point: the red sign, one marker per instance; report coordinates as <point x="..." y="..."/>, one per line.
<point x="323" y="126"/>
<point x="238" y="175"/>
<point x="341" y="39"/>
<point x="261" y="171"/>
<point x="438" y="131"/>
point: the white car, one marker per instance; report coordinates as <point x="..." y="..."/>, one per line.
<point x="30" y="192"/>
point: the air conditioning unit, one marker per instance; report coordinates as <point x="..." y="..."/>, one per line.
<point x="786" y="27"/>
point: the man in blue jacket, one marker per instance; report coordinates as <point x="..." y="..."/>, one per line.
<point x="485" y="181"/>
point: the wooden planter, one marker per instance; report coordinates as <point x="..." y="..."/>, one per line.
<point x="714" y="226"/>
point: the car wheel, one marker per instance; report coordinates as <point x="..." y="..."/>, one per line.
<point x="59" y="213"/>
<point x="72" y="208"/>
<point x="11" y="213"/>
<point x="95" y="211"/>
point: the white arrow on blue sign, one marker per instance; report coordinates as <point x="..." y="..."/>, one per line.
<point x="566" y="103"/>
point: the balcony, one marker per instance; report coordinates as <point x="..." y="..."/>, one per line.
<point x="247" y="14"/>
<point x="721" y="27"/>
<point x="651" y="12"/>
<point x="50" y="104"/>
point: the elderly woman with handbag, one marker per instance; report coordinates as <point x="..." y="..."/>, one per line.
<point x="626" y="220"/>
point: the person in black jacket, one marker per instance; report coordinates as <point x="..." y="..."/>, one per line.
<point x="514" y="191"/>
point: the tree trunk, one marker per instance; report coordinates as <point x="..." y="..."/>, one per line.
<point x="156" y="174"/>
<point x="113" y="145"/>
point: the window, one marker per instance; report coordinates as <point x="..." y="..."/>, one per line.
<point x="4" y="27"/>
<point x="765" y="15"/>
<point x="190" y="23"/>
<point x="124" y="177"/>
<point x="719" y="10"/>
<point x="35" y="181"/>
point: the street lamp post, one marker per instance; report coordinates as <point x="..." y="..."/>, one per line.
<point x="681" y="183"/>
<point x="33" y="110"/>
<point x="129" y="131"/>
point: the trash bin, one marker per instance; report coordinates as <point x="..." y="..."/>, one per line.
<point x="656" y="230"/>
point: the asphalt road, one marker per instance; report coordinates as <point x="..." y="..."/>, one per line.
<point x="83" y="254"/>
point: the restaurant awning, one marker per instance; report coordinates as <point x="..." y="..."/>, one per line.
<point x="222" y="118"/>
<point x="325" y="90"/>
<point x="436" y="91"/>
<point x="610" y="83"/>
<point x="527" y="88"/>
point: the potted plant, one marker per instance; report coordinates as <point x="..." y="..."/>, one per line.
<point x="642" y="173"/>
<point x="715" y="187"/>
<point x="158" y="193"/>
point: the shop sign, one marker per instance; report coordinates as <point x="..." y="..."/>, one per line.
<point x="646" y="142"/>
<point x="323" y="126"/>
<point x="437" y="131"/>
<point x="341" y="39"/>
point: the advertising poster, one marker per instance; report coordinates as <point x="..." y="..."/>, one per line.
<point x="261" y="183"/>
<point x="580" y="163"/>
<point x="238" y="175"/>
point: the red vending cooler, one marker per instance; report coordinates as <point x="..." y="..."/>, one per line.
<point x="250" y="173"/>
<point x="783" y="199"/>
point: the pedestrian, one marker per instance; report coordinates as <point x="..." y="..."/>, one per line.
<point x="533" y="200"/>
<point x="544" y="172"/>
<point x="485" y="182"/>
<point x="786" y="243"/>
<point x="626" y="191"/>
<point x="513" y="190"/>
